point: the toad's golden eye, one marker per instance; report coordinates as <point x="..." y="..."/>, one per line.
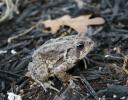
<point x="80" y="45"/>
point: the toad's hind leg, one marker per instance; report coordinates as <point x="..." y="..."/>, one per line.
<point x="39" y="73"/>
<point x="65" y="77"/>
<point x="47" y="84"/>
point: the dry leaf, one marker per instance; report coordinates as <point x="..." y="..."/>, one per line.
<point x="79" y="23"/>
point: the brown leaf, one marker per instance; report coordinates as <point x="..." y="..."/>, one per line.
<point x="78" y="23"/>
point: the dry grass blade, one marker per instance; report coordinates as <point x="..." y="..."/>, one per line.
<point x="125" y="64"/>
<point x="10" y="8"/>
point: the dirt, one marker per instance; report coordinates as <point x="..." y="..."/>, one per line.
<point x="107" y="74"/>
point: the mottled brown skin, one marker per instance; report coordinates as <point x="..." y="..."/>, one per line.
<point x="57" y="56"/>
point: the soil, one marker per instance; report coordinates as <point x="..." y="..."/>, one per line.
<point x="106" y="76"/>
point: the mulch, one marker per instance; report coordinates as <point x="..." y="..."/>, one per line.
<point x="104" y="78"/>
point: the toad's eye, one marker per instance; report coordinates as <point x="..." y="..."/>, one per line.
<point x="90" y="43"/>
<point x="80" y="45"/>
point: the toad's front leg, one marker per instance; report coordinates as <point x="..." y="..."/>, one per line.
<point x="60" y="72"/>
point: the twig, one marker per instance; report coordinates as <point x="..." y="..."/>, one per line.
<point x="88" y="87"/>
<point x="24" y="33"/>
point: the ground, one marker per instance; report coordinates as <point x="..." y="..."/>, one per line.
<point x="106" y="75"/>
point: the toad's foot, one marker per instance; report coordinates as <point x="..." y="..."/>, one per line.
<point x="67" y="77"/>
<point x="47" y="84"/>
